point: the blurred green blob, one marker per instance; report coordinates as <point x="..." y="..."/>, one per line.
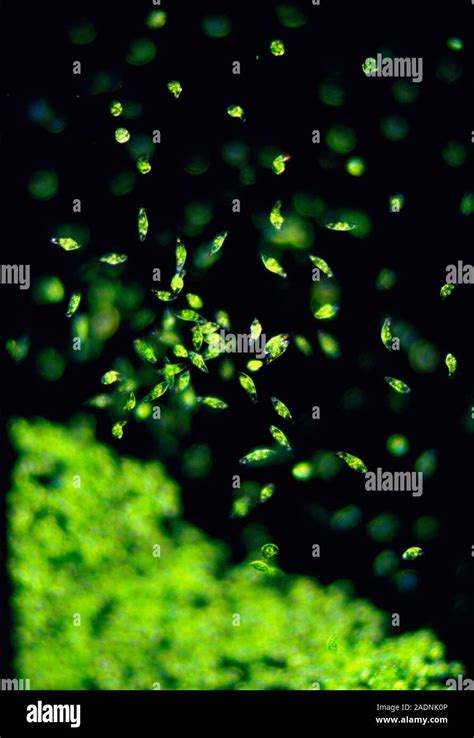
<point x="290" y="16"/>
<point x="407" y="580"/>
<point x="353" y="399"/>
<point x="43" y="184"/>
<point x="395" y="127"/>
<point x="198" y="215"/>
<point x="235" y="153"/>
<point x="80" y="327"/>
<point x="123" y="183"/>
<point x="347" y="518"/>
<point x="426" y="528"/>
<point x="405" y="92"/>
<point x="454" y="154"/>
<point x="325" y="465"/>
<point x="341" y="139"/>
<point x="302" y="471"/>
<point x="427" y="463"/>
<point x="156" y="19"/>
<point x="197" y="165"/>
<point x="467" y="203"/>
<point x="455" y="44"/>
<point x="423" y="356"/>
<point x="226" y="370"/>
<point x="216" y="26"/>
<point x="398" y="445"/>
<point x="385" y="563"/>
<point x="355" y="166"/>
<point x="296" y="233"/>
<point x="383" y="528"/>
<point x="331" y="93"/>
<point x="79" y="232"/>
<point x="50" y="364"/>
<point x="329" y="345"/>
<point x="132" y="109"/>
<point x="396" y="203"/>
<point x="448" y="71"/>
<point x="197" y="461"/>
<point x="42" y="113"/>
<point x="82" y="33"/>
<point x="49" y="290"/>
<point x="141" y="145"/>
<point x="386" y="279"/>
<point x="308" y="205"/>
<point x="18" y="348"/>
<point x="141" y="51"/>
<point x="103" y="82"/>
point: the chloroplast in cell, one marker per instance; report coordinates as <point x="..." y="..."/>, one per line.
<point x="267" y="492"/>
<point x="113" y="259"/>
<point x="68" y="244"/>
<point x="248" y="385"/>
<point x="254" y="365"/>
<point x="212" y="402"/>
<point x="398" y="445"/>
<point x="74" y="302"/>
<point x="277" y="47"/>
<point x="276" y="347"/>
<point x="280" y="437"/>
<point x="356" y="166"/>
<point x="122" y="135"/>
<point x="117" y="429"/>
<point x="446" y="290"/>
<point x="386" y="333"/>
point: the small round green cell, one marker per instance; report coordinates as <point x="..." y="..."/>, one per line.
<point x="455" y="44"/>
<point x="122" y="135"/>
<point x="398" y="445"/>
<point x="454" y="154"/>
<point x="142" y="51"/>
<point x="216" y="26"/>
<point x="302" y="471"/>
<point x="43" y="185"/>
<point x="116" y="108"/>
<point x="356" y="166"/>
<point x="143" y="164"/>
<point x="341" y="139"/>
<point x="156" y="19"/>
<point x="82" y="33"/>
<point x="270" y="550"/>
<point x="277" y="47"/>
<point x="386" y="279"/>
<point x="395" y="127"/>
<point x="467" y="203"/>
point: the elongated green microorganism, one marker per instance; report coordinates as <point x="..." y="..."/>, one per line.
<point x="218" y="242"/>
<point x="279" y="163"/>
<point x="111" y="377"/>
<point x="175" y="88"/>
<point x="130" y="402"/>
<point x="212" y="402"/>
<point x="117" y="428"/>
<point x="322" y="265"/>
<point x="398" y="385"/>
<point x="353" y="462"/>
<point x="276" y="218"/>
<point x="281" y="409"/>
<point x="68" y="244"/>
<point x="260" y="566"/>
<point x="266" y="492"/>
<point x="254" y="365"/>
<point x="248" y="385"/>
<point x="302" y="343"/>
<point x="277" y="47"/>
<point x="452" y="364"/>
<point x="198" y="337"/>
<point x="157" y="391"/>
<point x="273" y="265"/>
<point x="143" y="164"/>
<point x="74" y="302"/>
<point x="113" y="259"/>
<point x="455" y="44"/>
<point x="122" y="135"/>
<point x="209" y="329"/>
<point x="386" y="333"/>
<point x="326" y="312"/>
<point x="414" y="552"/>
<point x="145" y="350"/>
<point x="446" y="290"/>
<point x="276" y="347"/>
<point x="198" y="361"/>
<point x="190" y="315"/>
<point x="280" y="437"/>
<point x="177" y="283"/>
<point x="194" y="301"/>
<point x="270" y="550"/>
<point x="235" y="111"/>
<point x="257" y="455"/>
<point x="180" y="351"/>
<point x="165" y="296"/>
<point x="169" y="370"/>
<point x="183" y="381"/>
<point x="180" y="254"/>
<point x="116" y="108"/>
<point x="100" y="401"/>
<point x="340" y="225"/>
<point x="329" y="345"/>
<point x="142" y="224"/>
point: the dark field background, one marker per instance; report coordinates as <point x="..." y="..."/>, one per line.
<point x="283" y="107"/>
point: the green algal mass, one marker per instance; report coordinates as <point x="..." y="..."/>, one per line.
<point x="113" y="259"/>
<point x="386" y="333"/>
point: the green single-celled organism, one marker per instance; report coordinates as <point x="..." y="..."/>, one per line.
<point x="143" y="164"/>
<point x="74" y="302"/>
<point x="236" y="111"/>
<point x="180" y="254"/>
<point x="276" y="347"/>
<point x="156" y="19"/>
<point x="164" y="295"/>
<point x="213" y="402"/>
<point x="452" y="364"/>
<point x="446" y="290"/>
<point x="302" y="343"/>
<point x="175" y="88"/>
<point x="270" y="550"/>
<point x="260" y="566"/>
<point x="194" y="301"/>
<point x="386" y="333"/>
<point x="113" y="259"/>
<point x="169" y="371"/>
<point x="276" y="218"/>
<point x="129" y="403"/>
<point x="322" y="265"/>
<point x="190" y="315"/>
<point x="142" y="224"/>
<point x="183" y="381"/>
<point x="396" y="203"/>
<point x="340" y="225"/>
<point x="157" y="391"/>
<point x="117" y="428"/>
<point x="122" y="135"/>
<point x="111" y="377"/>
<point x="303" y="471"/>
<point x="273" y="265"/>
<point x="398" y="445"/>
<point x="280" y="437"/>
<point x="68" y="244"/>
<point x="197" y="336"/>
<point x="254" y="365"/>
<point x="197" y="361"/>
<point x="398" y="385"/>
<point x="145" y="350"/>
<point x="279" y="163"/>
<point x="116" y="108"/>
<point x="329" y="345"/>
<point x="277" y="47"/>
<point x="18" y="348"/>
<point x="180" y="351"/>
<point x="255" y="329"/>
<point x="353" y="462"/>
<point x="258" y="455"/>
<point x="412" y="553"/>
<point x="467" y="203"/>
<point x="455" y="44"/>
<point x="223" y="319"/>
<point x="177" y="283"/>
<point x="267" y="492"/>
<point x="281" y="409"/>
<point x="326" y="312"/>
<point x="100" y="401"/>
<point x="248" y="385"/>
<point x="356" y="166"/>
<point x="218" y="242"/>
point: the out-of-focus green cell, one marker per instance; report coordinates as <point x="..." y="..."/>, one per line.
<point x="404" y="91"/>
<point x="175" y="87"/>
<point x="329" y="345"/>
<point x="452" y="364"/>
<point x="395" y="127"/>
<point x="341" y="139"/>
<point x="143" y="164"/>
<point x="302" y="343"/>
<point x="454" y="154"/>
<point x="43" y="185"/>
<point x="141" y="51"/>
<point x="426" y="527"/>
<point x="277" y="47"/>
<point x="340" y="225"/>
<point x="326" y="465"/>
<point x="156" y="19"/>
<point x="449" y="71"/>
<point x="50" y="364"/>
<point x="398" y="445"/>
<point x="385" y="563"/>
<point x="18" y="348"/>
<point x="396" y="203"/>
<point x="290" y="16"/>
<point x="386" y="279"/>
<point x="49" y="290"/>
<point x="198" y="164"/>
<point x="424" y="357"/>
<point x="254" y="365"/>
<point x="347" y="518"/>
<point x="216" y="26"/>
<point x="303" y="471"/>
<point x="355" y="166"/>
<point x="332" y="93"/>
<point x="82" y="33"/>
<point x="122" y="135"/>
<point x="383" y="528"/>
<point x="123" y="183"/>
<point x="467" y="203"/>
<point x="427" y="463"/>
<point x="455" y="44"/>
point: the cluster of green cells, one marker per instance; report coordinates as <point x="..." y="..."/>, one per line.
<point x="113" y="590"/>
